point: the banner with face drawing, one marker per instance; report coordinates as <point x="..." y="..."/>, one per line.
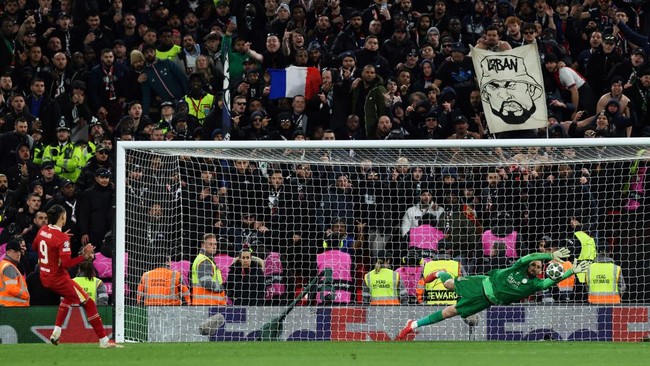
<point x="512" y="88"/>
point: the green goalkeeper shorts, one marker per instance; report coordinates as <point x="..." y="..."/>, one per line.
<point x="471" y="297"/>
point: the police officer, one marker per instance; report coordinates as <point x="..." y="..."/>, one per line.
<point x="67" y="157"/>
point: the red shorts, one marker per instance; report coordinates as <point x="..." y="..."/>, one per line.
<point x="68" y="289"/>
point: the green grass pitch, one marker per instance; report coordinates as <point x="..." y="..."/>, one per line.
<point x="334" y="354"/>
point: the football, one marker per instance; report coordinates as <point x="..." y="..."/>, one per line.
<point x="554" y="271"/>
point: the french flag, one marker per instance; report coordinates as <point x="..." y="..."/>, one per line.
<point x="294" y="80"/>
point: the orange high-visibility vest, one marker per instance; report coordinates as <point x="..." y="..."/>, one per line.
<point x="13" y="291"/>
<point x="567" y="285"/>
<point x="162" y="287"/>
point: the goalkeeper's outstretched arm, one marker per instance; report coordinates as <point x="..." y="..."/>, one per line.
<point x="577" y="268"/>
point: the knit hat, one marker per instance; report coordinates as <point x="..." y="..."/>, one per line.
<point x="136" y="56"/>
<point x="433" y="30"/>
<point x="282" y="6"/>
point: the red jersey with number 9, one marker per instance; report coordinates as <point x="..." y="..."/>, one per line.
<point x="53" y="247"/>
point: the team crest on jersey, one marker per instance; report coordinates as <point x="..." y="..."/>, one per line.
<point x="66" y="246"/>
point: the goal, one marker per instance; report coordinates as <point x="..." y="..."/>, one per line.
<point x="316" y="216"/>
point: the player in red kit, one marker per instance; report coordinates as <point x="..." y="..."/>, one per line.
<point x="53" y="247"/>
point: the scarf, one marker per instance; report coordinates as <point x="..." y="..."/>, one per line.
<point x="109" y="80"/>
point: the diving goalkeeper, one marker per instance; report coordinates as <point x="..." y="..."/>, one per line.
<point x="498" y="287"/>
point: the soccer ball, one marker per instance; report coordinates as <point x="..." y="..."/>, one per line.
<point x="554" y="271"/>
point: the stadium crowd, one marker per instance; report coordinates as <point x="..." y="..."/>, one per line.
<point x="77" y="76"/>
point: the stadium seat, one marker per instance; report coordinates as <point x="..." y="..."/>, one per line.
<point x="184" y="268"/>
<point x="410" y="276"/>
<point x="223" y="262"/>
<point x="273" y="273"/>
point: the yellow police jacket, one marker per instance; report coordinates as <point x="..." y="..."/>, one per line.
<point x="68" y="160"/>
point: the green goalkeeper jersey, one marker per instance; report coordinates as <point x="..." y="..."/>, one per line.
<point x="508" y="285"/>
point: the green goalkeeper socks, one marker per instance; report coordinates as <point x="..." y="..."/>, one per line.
<point x="444" y="276"/>
<point x="432" y="318"/>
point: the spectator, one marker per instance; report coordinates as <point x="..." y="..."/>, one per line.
<point x="17" y="110"/>
<point x="95" y="212"/>
<point x="10" y="143"/>
<point x="101" y="159"/>
<point x="39" y="294"/>
<point x="368" y="99"/>
<point x="163" y="78"/>
<point x="245" y="286"/>
<point x="413" y="216"/>
<point x="23" y="168"/>
<point x="43" y="108"/>
<point x="574" y="87"/>
<point x="462" y="66"/>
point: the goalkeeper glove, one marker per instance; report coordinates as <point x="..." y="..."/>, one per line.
<point x="581" y="267"/>
<point x="561" y="253"/>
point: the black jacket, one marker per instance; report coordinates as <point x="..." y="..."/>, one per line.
<point x="94" y="215"/>
<point x="245" y="287"/>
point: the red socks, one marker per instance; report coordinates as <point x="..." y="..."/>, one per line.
<point x="93" y="318"/>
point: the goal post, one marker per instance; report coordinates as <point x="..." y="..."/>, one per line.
<point x="304" y="206"/>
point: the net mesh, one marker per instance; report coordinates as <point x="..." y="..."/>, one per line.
<point x="302" y="211"/>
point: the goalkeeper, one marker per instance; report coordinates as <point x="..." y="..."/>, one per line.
<point x="498" y="287"/>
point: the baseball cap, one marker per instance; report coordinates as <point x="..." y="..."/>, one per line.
<point x="609" y="39"/>
<point x="66" y="182"/>
<point x="458" y="47"/>
<point x="102" y="147"/>
<point x="284" y="116"/>
<point x="102" y="172"/>
<point x="14" y="244"/>
<point x="78" y="84"/>
<point x="47" y="165"/>
<point x="550" y="57"/>
<point x="461" y="119"/>
<point x="313" y="45"/>
<point x="62" y="15"/>
<point x="639" y="51"/>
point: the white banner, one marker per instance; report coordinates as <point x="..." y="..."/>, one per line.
<point x="512" y="88"/>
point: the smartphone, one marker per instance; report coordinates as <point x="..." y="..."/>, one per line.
<point x="233" y="20"/>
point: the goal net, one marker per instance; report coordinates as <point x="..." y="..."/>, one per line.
<point x="302" y="222"/>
